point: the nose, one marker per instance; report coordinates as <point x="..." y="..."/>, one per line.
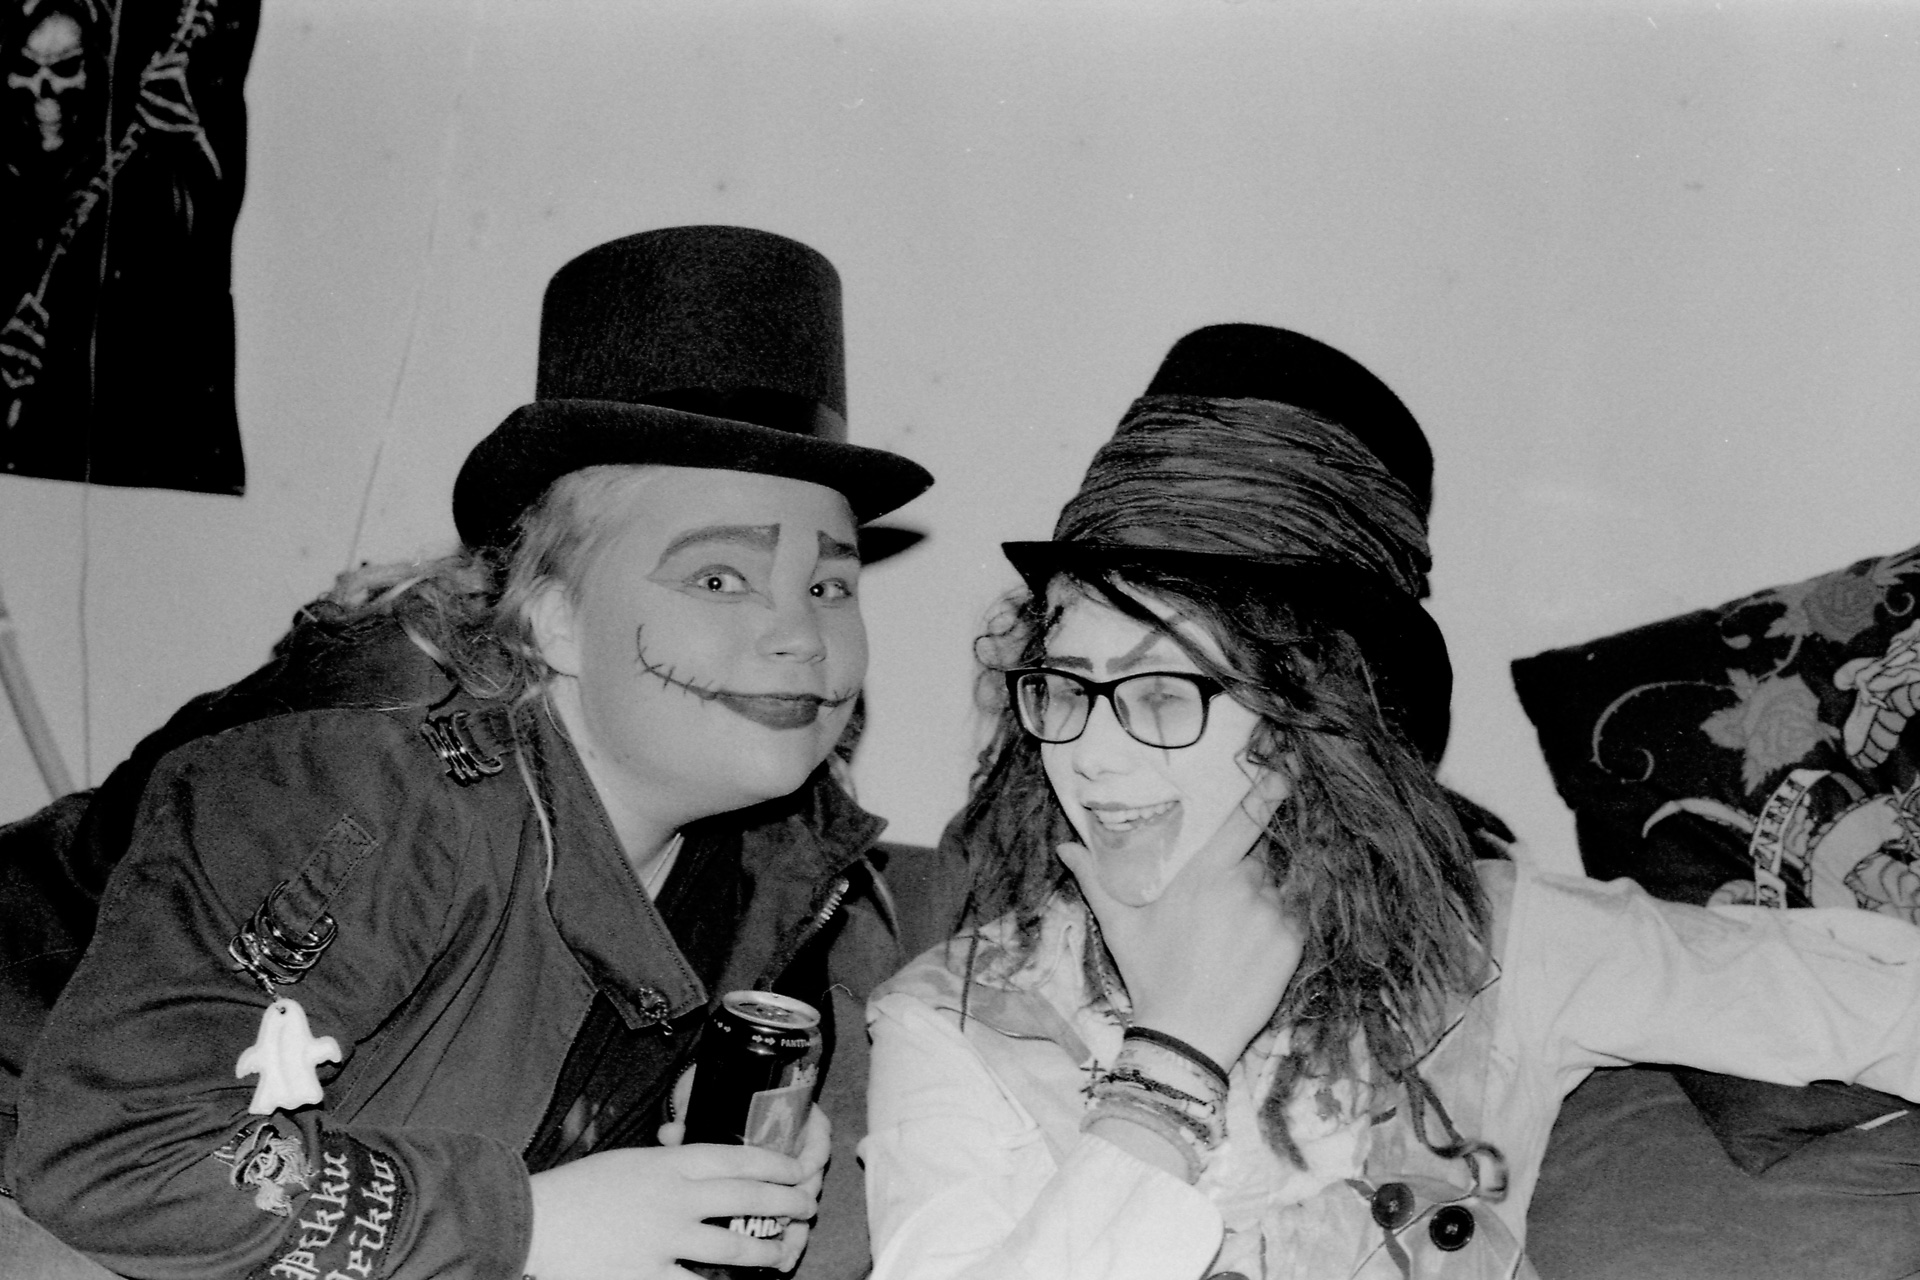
<point x="793" y="631"/>
<point x="1103" y="746"/>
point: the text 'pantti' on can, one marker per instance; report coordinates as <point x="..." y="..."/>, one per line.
<point x="758" y="1061"/>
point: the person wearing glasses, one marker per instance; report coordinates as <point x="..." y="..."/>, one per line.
<point x="1250" y="994"/>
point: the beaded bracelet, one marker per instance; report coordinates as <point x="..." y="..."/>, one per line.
<point x="1127" y="1074"/>
<point x="1198" y="1129"/>
<point x="1173" y="1043"/>
<point x="1157" y="1069"/>
<point x="1174" y="1092"/>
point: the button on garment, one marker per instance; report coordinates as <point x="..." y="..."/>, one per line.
<point x="1393" y="1205"/>
<point x="1452" y="1228"/>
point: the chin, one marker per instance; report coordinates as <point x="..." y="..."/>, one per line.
<point x="746" y="766"/>
<point x="778" y="771"/>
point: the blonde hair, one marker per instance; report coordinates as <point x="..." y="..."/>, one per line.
<point x="472" y="611"/>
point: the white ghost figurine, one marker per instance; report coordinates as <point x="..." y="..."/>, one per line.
<point x="284" y="1056"/>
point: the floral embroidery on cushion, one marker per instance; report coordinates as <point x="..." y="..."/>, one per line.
<point x="1674" y="741"/>
<point x="1776" y="723"/>
<point x="1838" y="606"/>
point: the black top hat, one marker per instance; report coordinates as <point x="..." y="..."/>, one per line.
<point x="1259" y="362"/>
<point x="710" y="347"/>
<point x="1380" y="610"/>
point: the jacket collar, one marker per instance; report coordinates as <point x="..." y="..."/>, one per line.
<point x="796" y="854"/>
<point x="791" y="853"/>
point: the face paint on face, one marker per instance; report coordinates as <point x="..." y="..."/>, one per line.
<point x="1143" y="812"/>
<point x="774" y="710"/>
<point x="714" y="645"/>
<point x="689" y="565"/>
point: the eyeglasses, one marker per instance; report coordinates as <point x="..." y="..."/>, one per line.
<point x="1159" y="708"/>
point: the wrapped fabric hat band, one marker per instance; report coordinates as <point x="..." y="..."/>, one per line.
<point x="1279" y="499"/>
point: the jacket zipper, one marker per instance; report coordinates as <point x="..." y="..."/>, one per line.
<point x="822" y="915"/>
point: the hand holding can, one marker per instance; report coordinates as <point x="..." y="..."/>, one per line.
<point x="754" y="1078"/>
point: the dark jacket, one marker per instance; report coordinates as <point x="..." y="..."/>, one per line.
<point x="454" y="985"/>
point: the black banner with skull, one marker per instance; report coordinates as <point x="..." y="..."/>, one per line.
<point x="124" y="161"/>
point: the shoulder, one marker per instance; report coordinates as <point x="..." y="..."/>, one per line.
<point x="1497" y="877"/>
<point x="1002" y="982"/>
<point x="337" y="701"/>
<point x="382" y="755"/>
<point x="285" y="794"/>
<point x="998" y="955"/>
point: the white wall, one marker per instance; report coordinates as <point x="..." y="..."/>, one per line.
<point x="1647" y="274"/>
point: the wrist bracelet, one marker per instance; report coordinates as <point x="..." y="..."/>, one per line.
<point x="1175" y="1135"/>
<point x="1181" y="1047"/>
<point x="1201" y="1118"/>
<point x="1158" y="1069"/>
<point x="1131" y="1075"/>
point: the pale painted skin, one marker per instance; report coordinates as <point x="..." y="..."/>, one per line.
<point x="1194" y="922"/>
<point x="1143" y="812"/>
<point x="708" y="661"/>
<point x="710" y="657"/>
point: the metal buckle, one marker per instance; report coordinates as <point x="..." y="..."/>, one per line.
<point x="454" y="743"/>
<point x="267" y="951"/>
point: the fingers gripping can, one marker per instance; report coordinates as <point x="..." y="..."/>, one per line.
<point x="753" y="1085"/>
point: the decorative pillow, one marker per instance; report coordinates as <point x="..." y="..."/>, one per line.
<point x="1775" y="724"/>
<point x="1764" y="750"/>
<point x="1760" y="1124"/>
<point x="1634" y="1188"/>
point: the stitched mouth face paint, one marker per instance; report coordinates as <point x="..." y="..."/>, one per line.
<point x="774" y="710"/>
<point x="711" y="655"/>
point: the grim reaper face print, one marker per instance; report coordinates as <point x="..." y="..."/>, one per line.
<point x="54" y="81"/>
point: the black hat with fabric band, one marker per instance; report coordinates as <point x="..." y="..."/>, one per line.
<point x="706" y="346"/>
<point x="1260" y="362"/>
<point x="1215" y="473"/>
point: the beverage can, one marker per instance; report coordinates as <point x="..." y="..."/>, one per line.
<point x="755" y="1071"/>
<point x="758" y="1061"/>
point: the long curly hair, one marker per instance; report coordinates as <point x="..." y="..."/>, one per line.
<point x="1369" y="851"/>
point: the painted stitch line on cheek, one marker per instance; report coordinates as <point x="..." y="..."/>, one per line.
<point x="665" y="674"/>
<point x="776" y="710"/>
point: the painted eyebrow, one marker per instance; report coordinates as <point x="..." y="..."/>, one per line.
<point x="1132" y="658"/>
<point x="831" y="548"/>
<point x="758" y="537"/>
<point x="1137" y="656"/>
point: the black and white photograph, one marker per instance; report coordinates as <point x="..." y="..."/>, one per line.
<point x="1205" y="639"/>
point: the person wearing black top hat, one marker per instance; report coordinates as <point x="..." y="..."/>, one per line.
<point x="1250" y="994"/>
<point x="409" y="934"/>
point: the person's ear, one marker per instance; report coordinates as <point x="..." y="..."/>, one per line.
<point x="555" y="626"/>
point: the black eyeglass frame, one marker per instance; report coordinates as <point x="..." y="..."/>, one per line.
<point x="1206" y="686"/>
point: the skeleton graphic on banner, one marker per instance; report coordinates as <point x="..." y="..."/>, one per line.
<point x="123" y="152"/>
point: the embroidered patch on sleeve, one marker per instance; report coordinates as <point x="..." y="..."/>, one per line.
<point x="267" y="1162"/>
<point x="354" y="1202"/>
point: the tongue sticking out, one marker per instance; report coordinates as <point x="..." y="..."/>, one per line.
<point x="1137" y="851"/>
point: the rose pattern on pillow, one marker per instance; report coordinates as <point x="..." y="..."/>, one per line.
<point x="1778" y="719"/>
